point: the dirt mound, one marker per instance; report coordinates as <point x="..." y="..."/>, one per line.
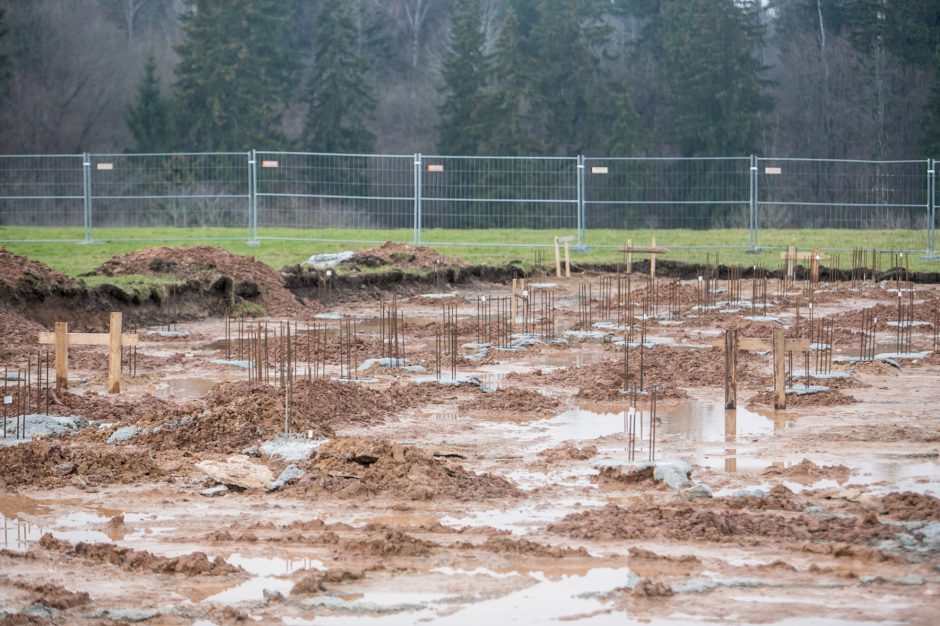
<point x="144" y="408"/>
<point x="808" y="472"/>
<point x="20" y="337"/>
<point x="512" y="400"/>
<point x="357" y="468"/>
<point x="49" y="464"/>
<point x="779" y="499"/>
<point x="909" y="507"/>
<point x="685" y="523"/>
<point x="524" y="547"/>
<point x="236" y="415"/>
<point x="568" y="452"/>
<point x="246" y="278"/>
<point x="387" y="543"/>
<point x="402" y="255"/>
<point x="311" y="583"/>
<point x="194" y="564"/>
<point x="15" y="269"/>
<point x="50" y="594"/>
<point x="832" y="397"/>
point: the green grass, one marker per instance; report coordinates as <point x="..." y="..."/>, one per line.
<point x="141" y="285"/>
<point x="294" y="245"/>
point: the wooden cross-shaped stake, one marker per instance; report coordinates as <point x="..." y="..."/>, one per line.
<point x="779" y="345"/>
<point x="565" y="241"/>
<point x="814" y="257"/>
<point x="651" y="250"/>
<point x="62" y="338"/>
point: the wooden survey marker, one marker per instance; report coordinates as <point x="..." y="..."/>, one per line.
<point x="114" y="339"/>
<point x="779" y="345"/>
<point x="565" y="241"/>
<point x="651" y="250"/>
<point x="814" y="257"/>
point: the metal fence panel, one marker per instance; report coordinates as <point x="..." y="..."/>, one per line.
<point x="44" y="193"/>
<point x="348" y="192"/>
<point x="184" y="192"/>
<point x="470" y="193"/>
<point x="839" y="194"/>
<point x="667" y="193"/>
<point x="932" y="197"/>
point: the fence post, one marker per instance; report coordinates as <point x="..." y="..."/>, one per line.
<point x="752" y="210"/>
<point x="581" y="239"/>
<point x="253" y="198"/>
<point x="931" y="210"/>
<point x="417" y="212"/>
<point x="86" y="192"/>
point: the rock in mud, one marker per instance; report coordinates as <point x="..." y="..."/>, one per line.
<point x="290" y="473"/>
<point x="125" y="433"/>
<point x="237" y="470"/>
<point x="212" y="492"/>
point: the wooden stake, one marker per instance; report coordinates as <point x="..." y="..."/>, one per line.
<point x="791" y="259"/>
<point x="557" y="260"/>
<point x="731" y="369"/>
<point x="567" y="261"/>
<point x="629" y="257"/>
<point x="62" y="355"/>
<point x="814" y="266"/>
<point x="780" y="390"/>
<point x="114" y="353"/>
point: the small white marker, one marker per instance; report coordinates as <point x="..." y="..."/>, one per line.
<point x="8" y="399"/>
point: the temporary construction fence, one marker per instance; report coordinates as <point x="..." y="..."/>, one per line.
<point x="444" y="200"/>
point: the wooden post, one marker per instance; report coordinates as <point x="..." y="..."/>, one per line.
<point x="62" y="355"/>
<point x="791" y="260"/>
<point x="567" y="261"/>
<point x="653" y="261"/>
<point x="731" y="369"/>
<point x="114" y="353"/>
<point x="780" y="389"/>
<point x="513" y="303"/>
<point x="629" y="257"/>
<point x="557" y="260"/>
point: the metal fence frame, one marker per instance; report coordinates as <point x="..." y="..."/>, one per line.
<point x="411" y="193"/>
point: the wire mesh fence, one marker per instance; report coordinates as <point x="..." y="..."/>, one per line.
<point x="644" y="193"/>
<point x="300" y="192"/>
<point x="498" y="193"/>
<point x="462" y="200"/>
<point x="185" y="192"/>
<point x="45" y="191"/>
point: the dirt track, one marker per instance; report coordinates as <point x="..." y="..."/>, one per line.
<point x="508" y="498"/>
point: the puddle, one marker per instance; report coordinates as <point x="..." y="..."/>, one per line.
<point x="522" y="519"/>
<point x="274" y="566"/>
<point x="251" y="590"/>
<point x="185" y="388"/>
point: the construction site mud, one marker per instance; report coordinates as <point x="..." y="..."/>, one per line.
<point x="441" y="446"/>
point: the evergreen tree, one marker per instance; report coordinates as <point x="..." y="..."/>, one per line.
<point x="148" y="117"/>
<point x="714" y="79"/>
<point x="464" y="74"/>
<point x="235" y="73"/>
<point x="338" y="95"/>
<point x="931" y="140"/>
<point x="510" y="124"/>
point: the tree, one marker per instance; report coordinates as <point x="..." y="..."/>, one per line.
<point x="235" y="73"/>
<point x="464" y="74"/>
<point x="339" y="98"/>
<point x="931" y="140"/>
<point x="148" y="117"/>
<point x="715" y="81"/>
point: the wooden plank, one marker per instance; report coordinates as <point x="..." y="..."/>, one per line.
<point x="796" y="345"/>
<point x="89" y="339"/>
<point x="566" y="239"/>
<point x="557" y="260"/>
<point x="780" y="390"/>
<point x="803" y="256"/>
<point x="731" y="369"/>
<point x="114" y="353"/>
<point x="755" y="344"/>
<point x="629" y="252"/>
<point x="61" y="341"/>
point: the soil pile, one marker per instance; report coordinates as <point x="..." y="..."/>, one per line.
<point x="110" y="408"/>
<point x="568" y="452"/>
<point x="15" y="269"/>
<point x="685" y="523"/>
<point x="402" y="255"/>
<point x="512" y="400"/>
<point x="194" y="564"/>
<point x="48" y="464"/>
<point x="248" y="279"/>
<point x="20" y="337"/>
<point x="807" y="472"/>
<point x="832" y="397"/>
<point x="779" y="499"/>
<point x="911" y="507"/>
<point x="385" y="543"/>
<point x="49" y="594"/>
<point x="357" y="468"/>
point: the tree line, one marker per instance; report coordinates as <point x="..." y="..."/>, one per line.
<point x="817" y="78"/>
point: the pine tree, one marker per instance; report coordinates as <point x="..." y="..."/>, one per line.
<point x="464" y="74"/>
<point x="510" y="125"/>
<point x="339" y="98"/>
<point x="715" y="81"/>
<point x="931" y="139"/>
<point x="235" y="73"/>
<point x="148" y="117"/>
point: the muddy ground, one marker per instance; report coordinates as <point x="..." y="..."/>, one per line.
<point x="506" y="494"/>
